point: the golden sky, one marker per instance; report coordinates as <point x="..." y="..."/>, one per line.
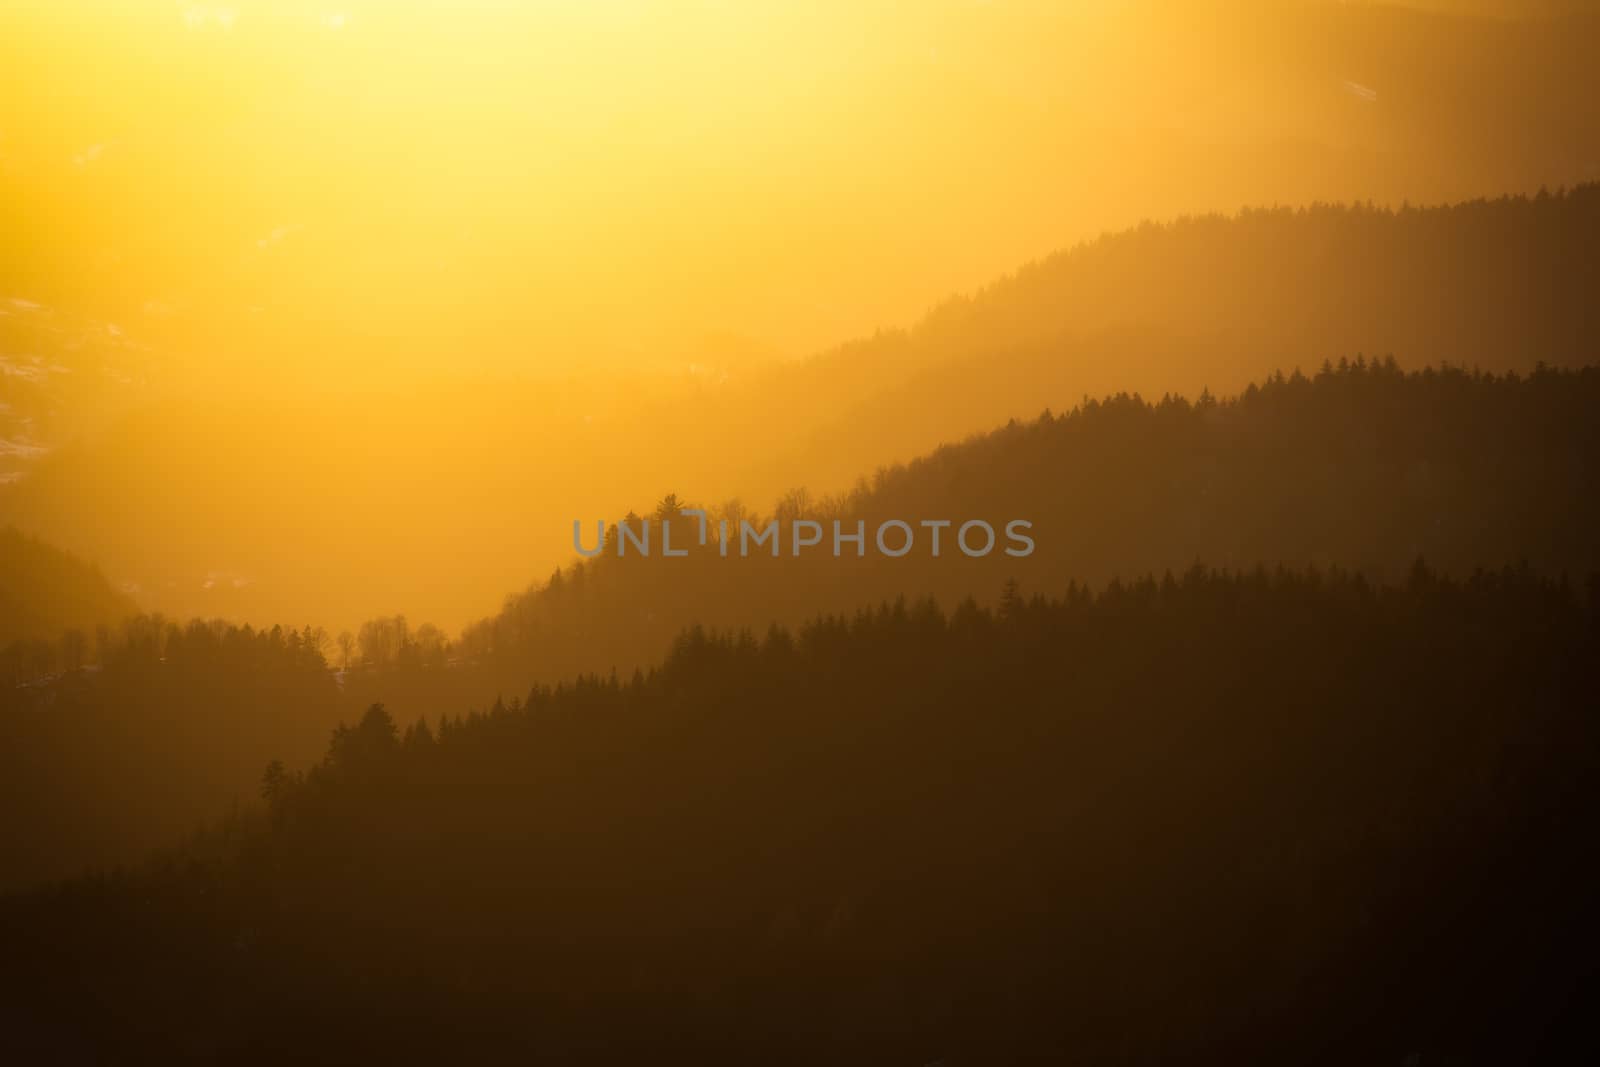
<point x="556" y="183"/>
<point x="271" y="219"/>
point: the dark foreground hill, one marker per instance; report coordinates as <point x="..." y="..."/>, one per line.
<point x="1261" y="818"/>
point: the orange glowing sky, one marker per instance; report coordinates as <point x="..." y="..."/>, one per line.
<point x="271" y="219"/>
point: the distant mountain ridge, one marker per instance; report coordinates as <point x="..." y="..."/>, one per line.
<point x="1208" y="302"/>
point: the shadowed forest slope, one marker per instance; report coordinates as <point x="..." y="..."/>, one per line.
<point x="45" y="592"/>
<point x="1362" y="466"/>
<point x="166" y="728"/>
<point x="1215" y="819"/>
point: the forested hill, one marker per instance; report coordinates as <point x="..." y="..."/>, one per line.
<point x="1248" y="819"/>
<point x="1362" y="466"/>
<point x="1212" y="302"/>
<point x="45" y="592"/>
<point x="1176" y="307"/>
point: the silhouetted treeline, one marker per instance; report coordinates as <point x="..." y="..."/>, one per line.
<point x="1287" y="817"/>
<point x="165" y="728"/>
<point x="1361" y="466"/>
<point x="44" y="594"/>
